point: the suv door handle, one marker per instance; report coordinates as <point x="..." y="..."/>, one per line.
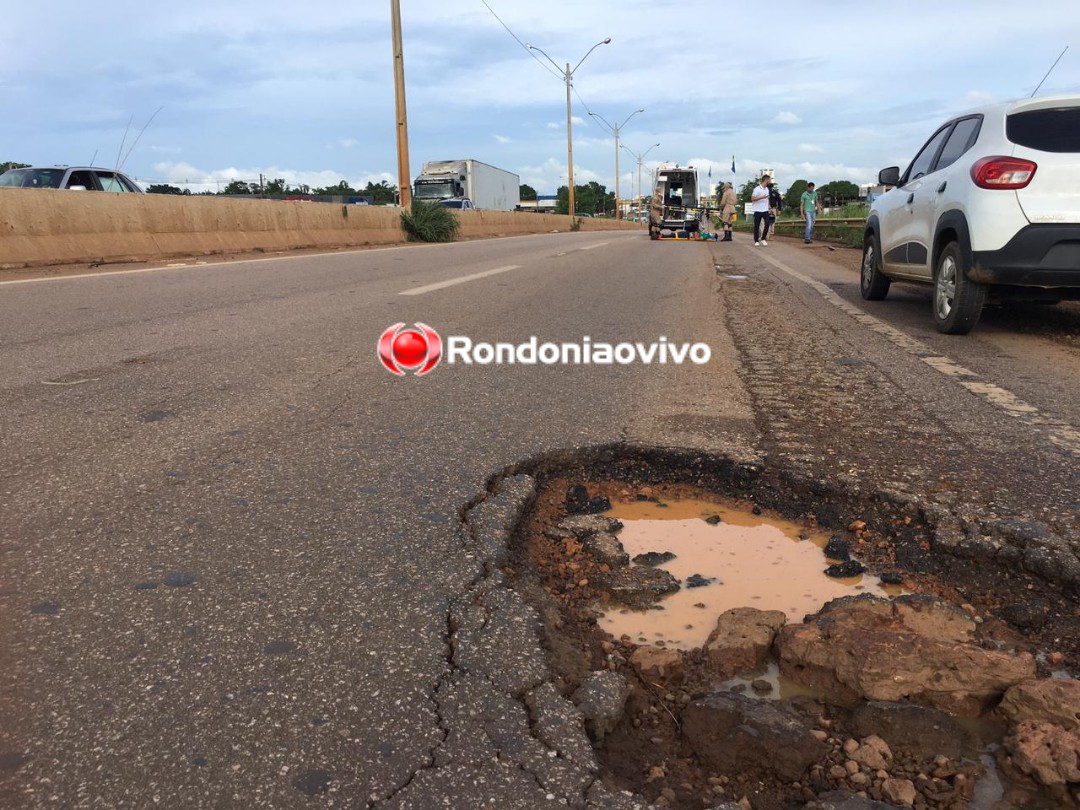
<point x="911" y="198"/>
<point x="941" y="188"/>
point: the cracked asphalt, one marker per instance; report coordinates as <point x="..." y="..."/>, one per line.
<point x="243" y="565"/>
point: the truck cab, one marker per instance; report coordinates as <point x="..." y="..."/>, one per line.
<point x="438" y="188"/>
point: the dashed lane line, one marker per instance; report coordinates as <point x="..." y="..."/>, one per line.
<point x="442" y="285"/>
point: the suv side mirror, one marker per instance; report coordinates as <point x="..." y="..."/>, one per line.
<point x="889" y="176"/>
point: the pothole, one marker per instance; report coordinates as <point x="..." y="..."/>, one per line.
<point x="729" y="557"/>
<point x="727" y="694"/>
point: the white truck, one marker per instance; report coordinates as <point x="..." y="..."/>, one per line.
<point x="487" y="187"/>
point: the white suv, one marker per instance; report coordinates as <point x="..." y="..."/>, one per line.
<point x="989" y="206"/>
<point x="83" y="178"/>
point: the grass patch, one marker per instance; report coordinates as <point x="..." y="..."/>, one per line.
<point x="429" y="222"/>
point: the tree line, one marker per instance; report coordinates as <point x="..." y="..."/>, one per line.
<point x="381" y="193"/>
<point x="592" y="198"/>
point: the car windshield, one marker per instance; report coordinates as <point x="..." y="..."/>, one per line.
<point x="114" y="182"/>
<point x="32" y="178"/>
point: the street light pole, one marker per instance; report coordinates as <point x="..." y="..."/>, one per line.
<point x="568" y="76"/>
<point x="615" y="130"/>
<point x="640" y="160"/>
<point x="569" y="146"/>
<point x="404" y="180"/>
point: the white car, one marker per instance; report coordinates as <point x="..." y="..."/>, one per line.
<point x="990" y="206"/>
<point x="81" y="178"/>
<point x="461" y="203"/>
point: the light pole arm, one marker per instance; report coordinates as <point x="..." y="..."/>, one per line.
<point x="606" y="123"/>
<point x="586" y="56"/>
<point x="631" y="115"/>
<point x="542" y="51"/>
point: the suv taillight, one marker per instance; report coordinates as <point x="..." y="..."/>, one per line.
<point x="1002" y="172"/>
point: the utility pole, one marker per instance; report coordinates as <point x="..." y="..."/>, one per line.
<point x="569" y="142"/>
<point x="568" y="77"/>
<point x="640" y="160"/>
<point x="404" y="179"/>
<point x="615" y="131"/>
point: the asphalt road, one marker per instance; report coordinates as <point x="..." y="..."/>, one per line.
<point x="234" y="571"/>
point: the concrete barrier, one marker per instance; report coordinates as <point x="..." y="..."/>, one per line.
<point x="40" y="227"/>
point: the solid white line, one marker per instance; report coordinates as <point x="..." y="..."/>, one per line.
<point x="441" y="285"/>
<point x="87" y="275"/>
<point x="1060" y="433"/>
<point x="202" y="264"/>
<point x="598" y="244"/>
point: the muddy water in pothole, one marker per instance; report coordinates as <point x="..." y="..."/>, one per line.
<point x="754" y="561"/>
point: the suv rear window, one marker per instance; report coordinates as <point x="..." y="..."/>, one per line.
<point x="1056" y="130"/>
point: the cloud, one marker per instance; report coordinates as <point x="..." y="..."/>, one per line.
<point x="206" y="61"/>
<point x="975" y="98"/>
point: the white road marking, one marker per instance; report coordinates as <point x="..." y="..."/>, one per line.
<point x="85" y="275"/>
<point x="185" y="266"/>
<point x="70" y="382"/>
<point x="1059" y="433"/>
<point x="442" y="285"/>
<point x="205" y="264"/>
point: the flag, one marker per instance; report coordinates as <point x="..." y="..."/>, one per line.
<point x="733" y="164"/>
<point x="710" y="172"/>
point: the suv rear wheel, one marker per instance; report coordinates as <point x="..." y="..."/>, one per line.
<point x="873" y="284"/>
<point x="958" y="301"/>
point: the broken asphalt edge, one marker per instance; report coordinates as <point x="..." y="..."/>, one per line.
<point x="494" y="636"/>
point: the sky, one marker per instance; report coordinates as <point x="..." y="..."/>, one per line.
<point x="200" y="92"/>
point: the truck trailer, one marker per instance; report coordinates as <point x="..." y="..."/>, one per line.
<point x="487" y="187"/>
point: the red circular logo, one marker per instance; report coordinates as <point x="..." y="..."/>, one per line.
<point x="417" y="350"/>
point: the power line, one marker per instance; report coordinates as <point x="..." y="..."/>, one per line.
<point x="519" y="42"/>
<point x="586" y="106"/>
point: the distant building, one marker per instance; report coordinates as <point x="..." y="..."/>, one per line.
<point x="871" y="192"/>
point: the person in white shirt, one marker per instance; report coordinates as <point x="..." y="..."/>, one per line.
<point x="759" y="204"/>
